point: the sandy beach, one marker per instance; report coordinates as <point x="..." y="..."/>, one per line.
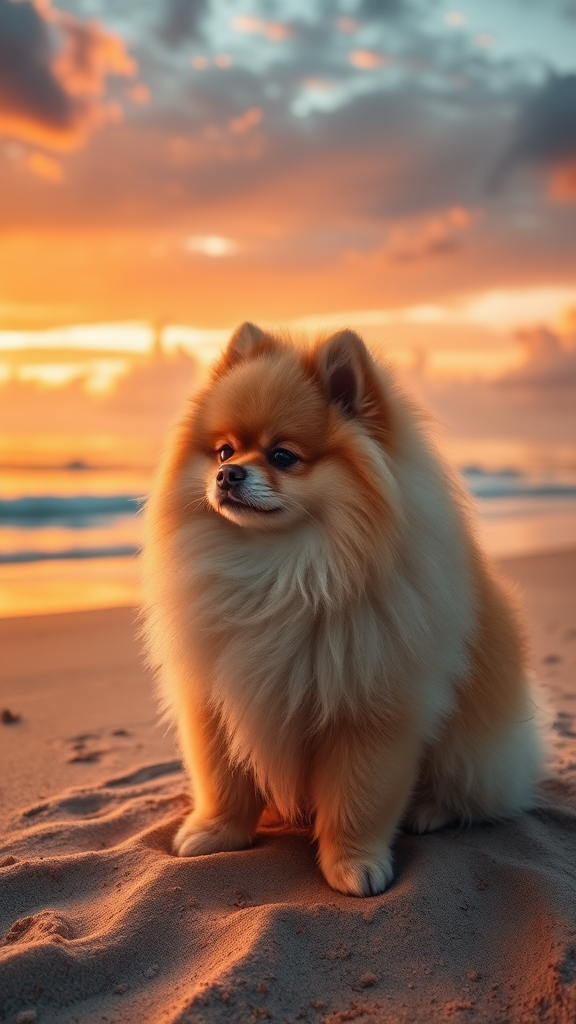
<point x="99" y="922"/>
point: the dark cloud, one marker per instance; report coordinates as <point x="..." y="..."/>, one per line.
<point x="389" y="145"/>
<point x="543" y="137"/>
<point x="356" y="169"/>
<point x="383" y="9"/>
<point x="181" y="21"/>
<point x="53" y="69"/>
<point x="547" y="121"/>
<point x="30" y="93"/>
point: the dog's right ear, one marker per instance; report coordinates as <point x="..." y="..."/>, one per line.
<point x="247" y="341"/>
<point x="243" y="342"/>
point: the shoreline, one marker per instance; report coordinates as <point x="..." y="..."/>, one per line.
<point x="501" y="561"/>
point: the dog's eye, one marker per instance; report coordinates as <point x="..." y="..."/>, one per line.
<point x="226" y="452"/>
<point x="282" y="458"/>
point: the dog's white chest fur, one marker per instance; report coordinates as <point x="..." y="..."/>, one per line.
<point x="283" y="651"/>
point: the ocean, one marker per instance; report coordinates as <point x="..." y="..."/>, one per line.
<point x="69" y="537"/>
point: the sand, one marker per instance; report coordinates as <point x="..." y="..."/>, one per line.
<point x="98" y="922"/>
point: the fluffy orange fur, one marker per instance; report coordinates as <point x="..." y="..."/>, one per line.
<point x="328" y="636"/>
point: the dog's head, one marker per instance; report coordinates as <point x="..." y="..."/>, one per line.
<point x="289" y="434"/>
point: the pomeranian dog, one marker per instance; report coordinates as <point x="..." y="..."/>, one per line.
<point x="329" y="638"/>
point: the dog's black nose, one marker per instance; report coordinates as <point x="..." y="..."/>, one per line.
<point x="229" y="476"/>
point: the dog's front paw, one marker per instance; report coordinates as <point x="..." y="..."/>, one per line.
<point x="358" y="876"/>
<point x="426" y="817"/>
<point x="198" y="837"/>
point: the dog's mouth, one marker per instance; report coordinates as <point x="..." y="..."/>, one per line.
<point x="243" y="506"/>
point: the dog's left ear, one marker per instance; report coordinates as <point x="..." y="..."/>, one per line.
<point x="350" y="377"/>
<point x="341" y="363"/>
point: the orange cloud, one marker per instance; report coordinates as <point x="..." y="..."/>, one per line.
<point x="562" y="182"/>
<point x="46" y="167"/>
<point x="249" y="119"/>
<point x="366" y="60"/>
<point x="200" y="62"/>
<point x="248" y="24"/>
<point x="549" y="359"/>
<point x="460" y="217"/>
<point x="53" y="76"/>
<point x="88" y="54"/>
<point x="566" y="326"/>
<point x="434" y="236"/>
<point x="345" y="24"/>
<point x="139" y="94"/>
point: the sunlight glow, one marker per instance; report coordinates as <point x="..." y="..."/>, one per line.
<point x="211" y="245"/>
<point x="50" y="374"/>
<point x="501" y="311"/>
<point x="104" y="373"/>
<point x="68" y="586"/>
<point x="98" y="375"/>
<point x="129" y="337"/>
<point x="205" y="344"/>
<point x="509" y="309"/>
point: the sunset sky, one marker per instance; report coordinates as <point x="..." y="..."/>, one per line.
<point x="169" y="168"/>
<point x="408" y="167"/>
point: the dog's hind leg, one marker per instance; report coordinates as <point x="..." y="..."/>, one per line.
<point x="487" y="759"/>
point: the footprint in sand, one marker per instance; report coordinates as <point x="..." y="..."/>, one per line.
<point x="85" y="804"/>
<point x="84" y="753"/>
<point x="86" y="756"/>
<point x="145" y="774"/>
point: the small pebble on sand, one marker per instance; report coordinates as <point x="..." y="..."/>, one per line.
<point x="9" y="718"/>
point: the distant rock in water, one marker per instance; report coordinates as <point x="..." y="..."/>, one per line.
<point x="77" y="464"/>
